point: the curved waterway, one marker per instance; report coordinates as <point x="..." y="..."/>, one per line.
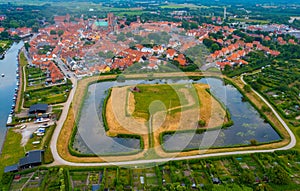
<point x="8" y="67"/>
<point x="248" y="124"/>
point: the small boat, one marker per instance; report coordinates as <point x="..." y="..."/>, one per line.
<point x="2" y="75"/>
<point x="45" y="125"/>
<point x="40" y="134"/>
<point x="23" y="127"/>
<point x="9" y="120"/>
<point x="41" y="120"/>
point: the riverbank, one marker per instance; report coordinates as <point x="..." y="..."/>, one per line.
<point x="22" y="64"/>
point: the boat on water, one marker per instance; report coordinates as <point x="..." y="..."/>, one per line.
<point x="41" y="120"/>
<point x="3" y="75"/>
<point x="9" y="119"/>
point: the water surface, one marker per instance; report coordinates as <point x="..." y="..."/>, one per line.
<point x="8" y="67"/>
<point x="248" y="124"/>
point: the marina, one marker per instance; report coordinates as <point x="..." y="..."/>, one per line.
<point x="8" y="87"/>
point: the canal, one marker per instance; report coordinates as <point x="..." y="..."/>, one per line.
<point x="8" y="67"/>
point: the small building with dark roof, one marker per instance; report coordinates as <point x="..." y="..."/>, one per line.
<point x="12" y="168"/>
<point x="38" y="108"/>
<point x="31" y="159"/>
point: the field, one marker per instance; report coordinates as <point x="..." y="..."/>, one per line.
<point x="278" y="85"/>
<point x="12" y="151"/>
<point x="145" y="100"/>
<point x="240" y="172"/>
<point x="251" y="20"/>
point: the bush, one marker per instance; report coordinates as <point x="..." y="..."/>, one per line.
<point x="201" y="123"/>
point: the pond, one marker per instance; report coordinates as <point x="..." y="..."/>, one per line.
<point x="91" y="137"/>
<point x="248" y="124"/>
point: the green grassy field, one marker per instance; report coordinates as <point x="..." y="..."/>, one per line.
<point x="23" y="60"/>
<point x="154" y="98"/>
<point x="251" y="20"/>
<point x="12" y="151"/>
<point x="4" y="43"/>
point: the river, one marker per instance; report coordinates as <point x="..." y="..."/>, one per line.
<point x="8" y="67"/>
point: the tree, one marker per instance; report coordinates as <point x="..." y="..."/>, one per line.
<point x="53" y="32"/>
<point x="247" y="177"/>
<point x="208" y="42"/>
<point x="60" y="32"/>
<point x="4" y="35"/>
<point x="279" y="176"/>
<point x="215" y="47"/>
<point x="253" y="142"/>
<point x="131" y="44"/>
<point x="35" y="29"/>
<point x="265" y="108"/>
<point x="27" y="46"/>
<point x="247" y="88"/>
<point x="121" y="37"/>
<point x="201" y="123"/>
<point x="14" y="24"/>
<point x="129" y="34"/>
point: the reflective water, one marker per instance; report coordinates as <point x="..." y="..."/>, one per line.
<point x="8" y="67"/>
<point x="91" y="137"/>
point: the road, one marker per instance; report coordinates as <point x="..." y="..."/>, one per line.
<point x="60" y="161"/>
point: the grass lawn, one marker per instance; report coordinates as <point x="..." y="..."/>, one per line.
<point x="154" y="98"/>
<point x="4" y="44"/>
<point x="12" y="150"/>
<point x="23" y="61"/>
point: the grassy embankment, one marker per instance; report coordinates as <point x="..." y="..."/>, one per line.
<point x="23" y="63"/>
<point x="11" y="150"/>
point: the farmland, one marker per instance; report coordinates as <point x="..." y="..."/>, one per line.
<point x="242" y="172"/>
<point x="279" y="85"/>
